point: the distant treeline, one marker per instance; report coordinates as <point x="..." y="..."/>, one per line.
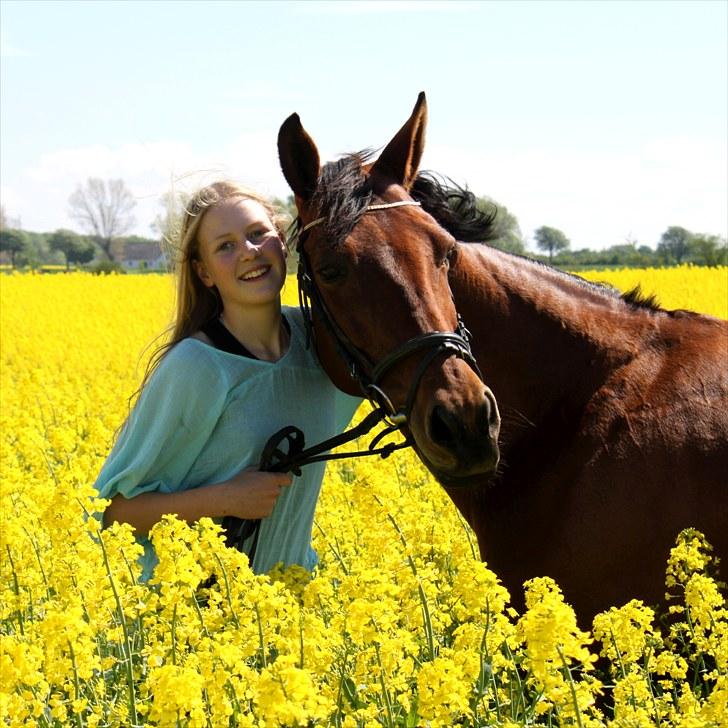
<point x="103" y="209"/>
<point x="31" y="250"/>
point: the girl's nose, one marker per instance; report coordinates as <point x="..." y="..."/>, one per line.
<point x="249" y="250"/>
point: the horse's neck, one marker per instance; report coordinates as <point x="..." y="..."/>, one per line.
<point x="543" y="339"/>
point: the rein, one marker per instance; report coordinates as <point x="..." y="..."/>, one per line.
<point x="367" y="375"/>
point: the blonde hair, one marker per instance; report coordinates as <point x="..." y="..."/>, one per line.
<point x="195" y="303"/>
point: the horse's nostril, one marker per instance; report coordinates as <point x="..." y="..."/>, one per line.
<point x="441" y="430"/>
<point x="490" y="410"/>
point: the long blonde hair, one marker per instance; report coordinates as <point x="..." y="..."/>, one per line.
<point x="195" y="303"/>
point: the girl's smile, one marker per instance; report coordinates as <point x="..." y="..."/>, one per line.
<point x="256" y="273"/>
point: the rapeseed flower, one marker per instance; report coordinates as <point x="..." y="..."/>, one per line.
<point x="400" y="625"/>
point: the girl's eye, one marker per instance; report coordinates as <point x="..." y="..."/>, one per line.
<point x="226" y="245"/>
<point x="259" y="234"/>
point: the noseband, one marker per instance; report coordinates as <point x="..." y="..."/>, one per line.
<point x="367" y="374"/>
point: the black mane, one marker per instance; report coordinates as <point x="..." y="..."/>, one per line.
<point x="636" y="298"/>
<point x="344" y="192"/>
<point x="455" y="208"/>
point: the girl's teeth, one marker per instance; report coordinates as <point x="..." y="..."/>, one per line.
<point x="255" y="274"/>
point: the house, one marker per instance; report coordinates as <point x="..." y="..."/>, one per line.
<point x="148" y="255"/>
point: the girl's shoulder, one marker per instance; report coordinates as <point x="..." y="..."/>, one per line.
<point x="188" y="360"/>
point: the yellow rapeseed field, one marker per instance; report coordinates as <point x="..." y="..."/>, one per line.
<point x="401" y="625"/>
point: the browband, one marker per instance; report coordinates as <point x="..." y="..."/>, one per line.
<point x="371" y="208"/>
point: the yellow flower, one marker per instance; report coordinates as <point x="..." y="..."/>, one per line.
<point x="176" y="696"/>
<point x="401" y="621"/>
<point x="444" y="692"/>
<point x="626" y="633"/>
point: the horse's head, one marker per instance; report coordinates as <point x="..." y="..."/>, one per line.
<point x="382" y="307"/>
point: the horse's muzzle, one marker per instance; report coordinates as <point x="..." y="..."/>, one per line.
<point x="462" y="440"/>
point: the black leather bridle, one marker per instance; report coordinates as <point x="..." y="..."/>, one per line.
<point x="367" y="374"/>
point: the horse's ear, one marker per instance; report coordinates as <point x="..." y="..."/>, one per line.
<point x="299" y="157"/>
<point x="401" y="157"/>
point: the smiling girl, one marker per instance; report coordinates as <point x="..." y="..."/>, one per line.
<point x="235" y="371"/>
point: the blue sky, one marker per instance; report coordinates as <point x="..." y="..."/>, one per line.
<point x="607" y="120"/>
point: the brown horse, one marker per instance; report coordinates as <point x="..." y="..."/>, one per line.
<point x="615" y="428"/>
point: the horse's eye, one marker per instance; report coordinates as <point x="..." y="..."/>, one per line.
<point x="330" y="273"/>
<point x="448" y="258"/>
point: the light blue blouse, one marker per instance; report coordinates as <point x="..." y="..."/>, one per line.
<point x="205" y="414"/>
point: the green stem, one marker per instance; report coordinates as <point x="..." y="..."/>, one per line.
<point x="334" y="551"/>
<point x="76" y="681"/>
<point x="261" y="638"/>
<point x="426" y="618"/>
<point x="620" y="661"/>
<point x="174" y="635"/>
<point x="572" y="687"/>
<point x="385" y="692"/>
<point x="16" y="589"/>
<point x="126" y="648"/>
<point x="227" y="591"/>
<point x="655" y="707"/>
<point x="473" y="550"/>
<point x="36" y="550"/>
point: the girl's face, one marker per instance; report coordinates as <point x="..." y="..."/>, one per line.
<point x="241" y="253"/>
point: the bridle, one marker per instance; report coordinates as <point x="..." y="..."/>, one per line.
<point x="367" y="374"/>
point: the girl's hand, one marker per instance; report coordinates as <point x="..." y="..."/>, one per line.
<point x="253" y="493"/>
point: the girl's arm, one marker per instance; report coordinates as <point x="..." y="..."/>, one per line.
<point x="250" y="494"/>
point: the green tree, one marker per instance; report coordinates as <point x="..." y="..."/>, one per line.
<point x="551" y="240"/>
<point x="103" y="208"/>
<point x="75" y="248"/>
<point x="12" y="242"/>
<point x="674" y="244"/>
<point x="708" y="250"/>
<point x="507" y="230"/>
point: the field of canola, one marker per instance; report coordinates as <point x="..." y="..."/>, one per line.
<point x="401" y="626"/>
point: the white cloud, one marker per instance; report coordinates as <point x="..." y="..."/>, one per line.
<point x="599" y="199"/>
<point x="40" y="197"/>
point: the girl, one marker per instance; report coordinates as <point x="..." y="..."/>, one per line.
<point x="235" y="371"/>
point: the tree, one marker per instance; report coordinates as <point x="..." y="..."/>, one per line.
<point x="168" y="223"/>
<point x="708" y="249"/>
<point x="551" y="240"/>
<point x="12" y="241"/>
<point x="103" y="208"/>
<point x="674" y="244"/>
<point x="507" y="230"/>
<point x="73" y="247"/>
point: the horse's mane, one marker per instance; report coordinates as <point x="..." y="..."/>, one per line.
<point x="455" y="208"/>
<point x="344" y="192"/>
<point x="636" y="298"/>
